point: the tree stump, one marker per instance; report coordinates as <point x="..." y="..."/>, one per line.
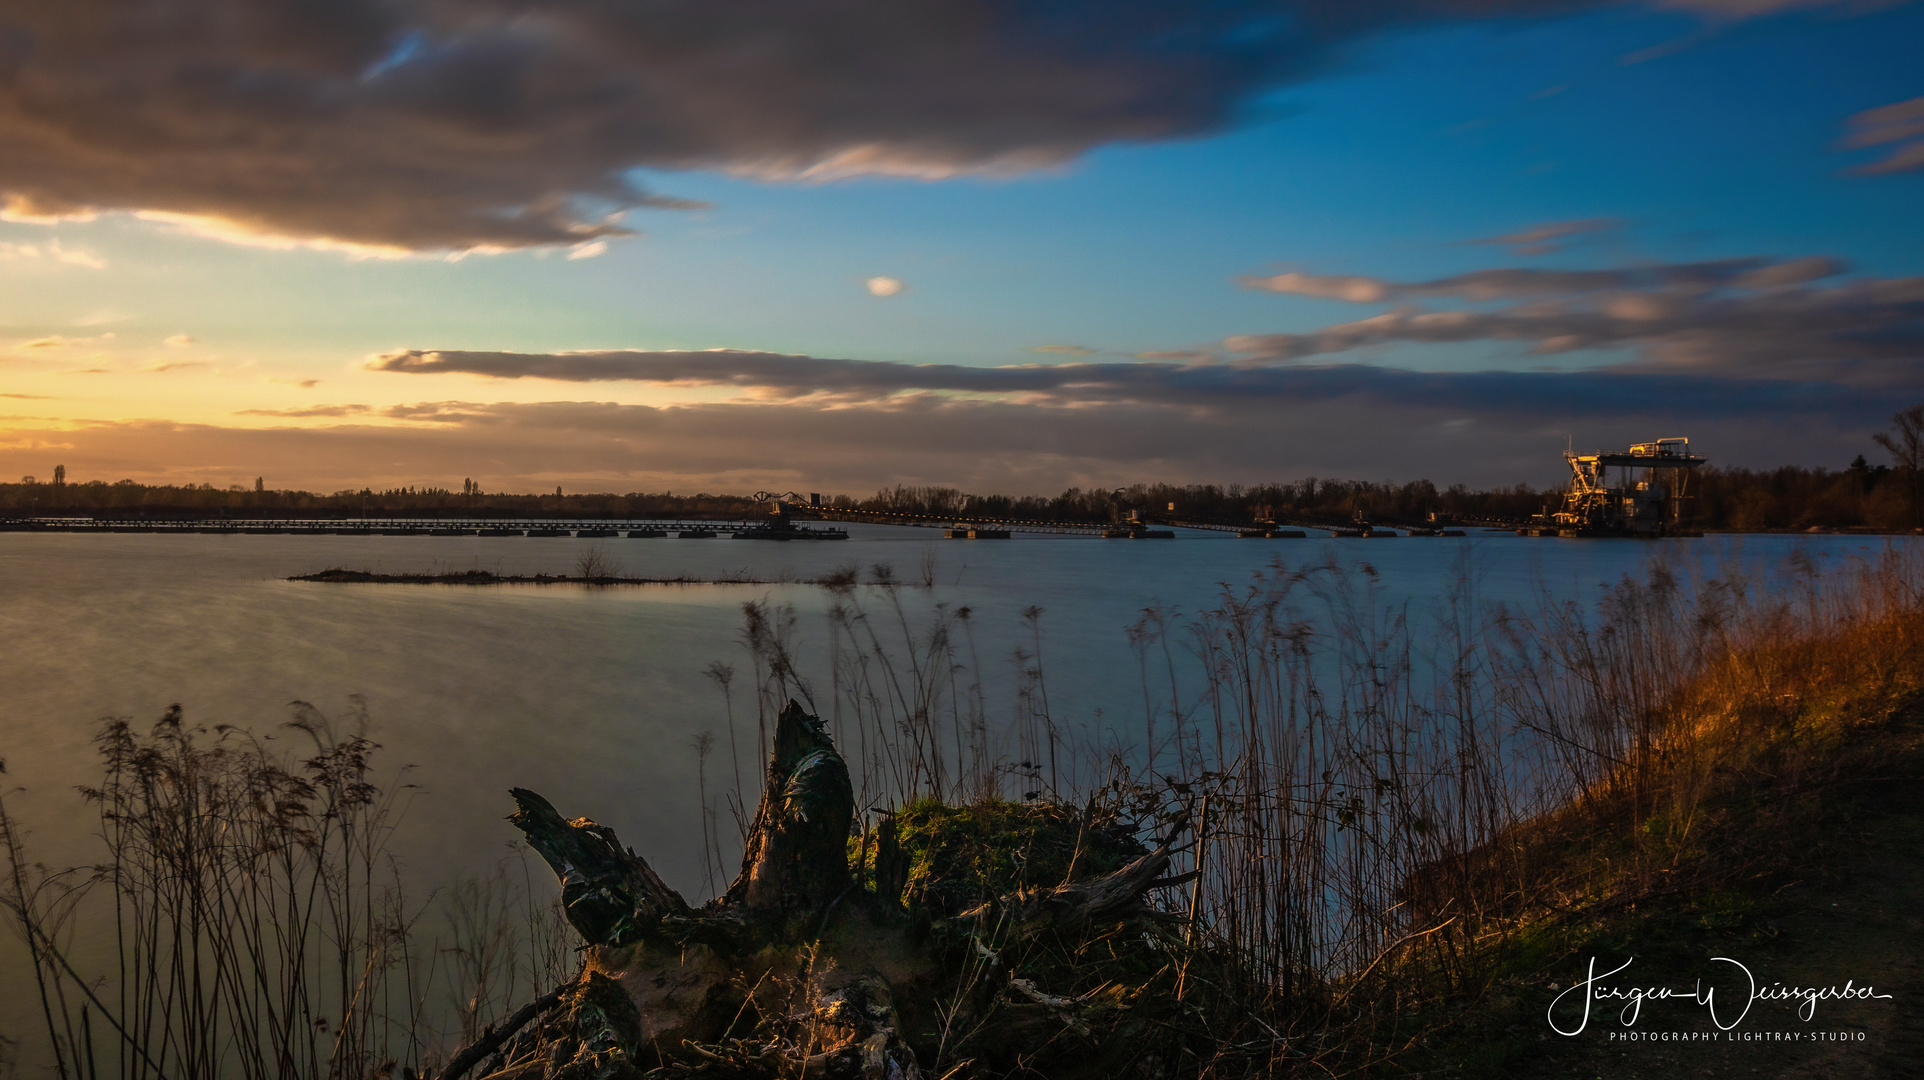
<point x="802" y="968"/>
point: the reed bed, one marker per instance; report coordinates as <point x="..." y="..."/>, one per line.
<point x="1376" y="783"/>
<point x="252" y="921"/>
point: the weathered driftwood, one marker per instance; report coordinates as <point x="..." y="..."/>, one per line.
<point x="795" y="862"/>
<point x="1073" y="906"/>
<point x="611" y="895"/>
<point x="497" y="1036"/>
<point x="798" y="968"/>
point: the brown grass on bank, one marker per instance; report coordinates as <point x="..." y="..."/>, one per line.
<point x="1709" y="738"/>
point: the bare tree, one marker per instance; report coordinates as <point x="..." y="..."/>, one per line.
<point x="1905" y="442"/>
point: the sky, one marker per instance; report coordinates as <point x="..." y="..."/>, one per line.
<point x="835" y="245"/>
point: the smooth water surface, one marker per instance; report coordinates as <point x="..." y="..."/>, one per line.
<point x="594" y="695"/>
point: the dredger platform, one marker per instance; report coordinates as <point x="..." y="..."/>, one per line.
<point x="1647" y="499"/>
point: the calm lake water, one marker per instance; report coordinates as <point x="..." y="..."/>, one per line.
<point x="592" y="696"/>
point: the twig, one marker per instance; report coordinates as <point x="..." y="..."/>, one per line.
<point x="493" y="1038"/>
<point x="53" y="951"/>
<point x="1399" y="943"/>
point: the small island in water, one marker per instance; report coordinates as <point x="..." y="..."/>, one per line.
<point x="338" y="576"/>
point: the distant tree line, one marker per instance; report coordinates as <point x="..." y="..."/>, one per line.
<point x="1232" y="502"/>
<point x="127" y="499"/>
<point x="1859" y="496"/>
<point x="1792" y="497"/>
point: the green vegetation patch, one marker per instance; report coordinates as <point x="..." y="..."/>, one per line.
<point x="960" y="856"/>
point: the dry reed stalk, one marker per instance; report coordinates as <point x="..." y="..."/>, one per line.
<point x="257" y="925"/>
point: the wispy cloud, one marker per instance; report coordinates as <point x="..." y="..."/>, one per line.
<point x="178" y="341"/>
<point x="1550" y="237"/>
<point x="52" y="250"/>
<point x="1899" y="126"/>
<point x="1065" y="350"/>
<point x="308" y="412"/>
<point x="1748" y="317"/>
<point x="1756" y="272"/>
<point x="884" y="286"/>
<point x="76" y="258"/>
<point x="1183" y="356"/>
<point x="59" y="341"/>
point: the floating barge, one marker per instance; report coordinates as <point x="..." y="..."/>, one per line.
<point x="792" y="532"/>
<point x="1647" y="499"/>
<point x="780" y="524"/>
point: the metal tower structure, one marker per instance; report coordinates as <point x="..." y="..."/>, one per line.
<point x="1652" y="482"/>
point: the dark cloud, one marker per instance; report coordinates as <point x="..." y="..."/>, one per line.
<point x="441" y="124"/>
<point x="1899" y="126"/>
<point x="773" y="373"/>
<point x="1512" y="284"/>
<point x="1198" y="388"/>
<point x="310" y="411"/>
<point x="1550" y="237"/>
<point x="1750" y="317"/>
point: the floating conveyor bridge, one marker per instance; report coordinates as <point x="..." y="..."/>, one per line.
<point x="784" y="522"/>
<point x="786" y="525"/>
<point x="1137" y="525"/>
<point x="588" y="528"/>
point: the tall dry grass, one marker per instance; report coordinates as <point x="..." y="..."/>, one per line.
<point x="1380" y="779"/>
<point x="1370" y="776"/>
<point x="252" y="922"/>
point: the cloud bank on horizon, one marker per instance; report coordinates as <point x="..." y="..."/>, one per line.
<point x="1752" y="352"/>
<point x="978" y="445"/>
<point x="1750" y="326"/>
<point x="1743" y="350"/>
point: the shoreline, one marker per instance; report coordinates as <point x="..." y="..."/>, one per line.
<point x="338" y="576"/>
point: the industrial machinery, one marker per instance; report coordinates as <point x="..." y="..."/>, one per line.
<point x="780" y="523"/>
<point x="1647" y="499"/>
